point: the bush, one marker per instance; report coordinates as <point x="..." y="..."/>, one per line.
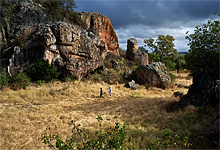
<point x="20" y="81"/>
<point x="42" y="70"/>
<point x="115" y="138"/>
<point x="172" y="76"/>
<point x="4" y="79"/>
<point x="204" y="47"/>
<point x="168" y="141"/>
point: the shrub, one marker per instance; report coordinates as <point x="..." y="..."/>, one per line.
<point x="168" y="141"/>
<point x="4" y="79"/>
<point x="172" y="76"/>
<point x="116" y="138"/>
<point x="20" y="81"/>
<point x="134" y="67"/>
<point x="42" y="70"/>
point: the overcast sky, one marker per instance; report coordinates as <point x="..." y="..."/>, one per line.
<point x="143" y="19"/>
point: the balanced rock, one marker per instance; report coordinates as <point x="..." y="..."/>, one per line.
<point x="154" y="73"/>
<point x="133" y="54"/>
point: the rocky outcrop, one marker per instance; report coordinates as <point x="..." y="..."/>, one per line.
<point x="127" y="74"/>
<point x="31" y="35"/>
<point x="132" y="46"/>
<point x="154" y="74"/>
<point x="204" y="90"/>
<point x="101" y="25"/>
<point x="72" y="50"/>
<point x="133" y="54"/>
<point x="132" y="85"/>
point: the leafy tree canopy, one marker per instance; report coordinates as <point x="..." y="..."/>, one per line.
<point x="204" y="46"/>
<point x="61" y="9"/>
<point x="141" y="48"/>
<point x="163" y="50"/>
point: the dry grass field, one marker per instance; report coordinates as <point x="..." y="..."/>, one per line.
<point x="25" y="114"/>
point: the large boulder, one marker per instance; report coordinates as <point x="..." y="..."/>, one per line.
<point x="154" y="74"/>
<point x="204" y="90"/>
<point x="101" y="25"/>
<point x="133" y="54"/>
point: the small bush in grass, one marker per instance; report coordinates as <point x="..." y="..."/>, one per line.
<point x="20" y="81"/>
<point x="172" y="76"/>
<point x="168" y="141"/>
<point x="114" y="138"/>
<point x="147" y="86"/>
<point x="4" y="79"/>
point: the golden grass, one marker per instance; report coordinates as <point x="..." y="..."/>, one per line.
<point x="25" y="114"/>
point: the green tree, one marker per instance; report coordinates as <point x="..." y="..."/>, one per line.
<point x="6" y="11"/>
<point x="180" y="63"/>
<point x="60" y="9"/>
<point x="163" y="48"/>
<point x="204" y="46"/>
<point x="141" y="48"/>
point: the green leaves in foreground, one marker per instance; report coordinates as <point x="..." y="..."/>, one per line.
<point x="114" y="138"/>
<point x="168" y="141"/>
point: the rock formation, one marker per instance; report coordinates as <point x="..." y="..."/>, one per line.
<point x="30" y="35"/>
<point x="101" y="25"/>
<point x="204" y="90"/>
<point x="154" y="74"/>
<point x="133" y="54"/>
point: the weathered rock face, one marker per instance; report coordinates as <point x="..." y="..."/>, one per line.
<point x="133" y="54"/>
<point x="204" y="90"/>
<point x="72" y="49"/>
<point x="132" y="46"/>
<point x="101" y="25"/>
<point x="154" y="73"/>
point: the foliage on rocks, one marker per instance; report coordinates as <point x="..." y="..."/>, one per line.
<point x="42" y="70"/>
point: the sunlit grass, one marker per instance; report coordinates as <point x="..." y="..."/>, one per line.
<point x="26" y="113"/>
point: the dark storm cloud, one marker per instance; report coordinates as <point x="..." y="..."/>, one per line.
<point x="156" y="13"/>
<point x="143" y="19"/>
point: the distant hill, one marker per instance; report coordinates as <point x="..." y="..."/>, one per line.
<point x="182" y="53"/>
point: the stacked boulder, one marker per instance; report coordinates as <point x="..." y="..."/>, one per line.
<point x="133" y="54"/>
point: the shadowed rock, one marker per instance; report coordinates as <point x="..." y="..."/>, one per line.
<point x="154" y="73"/>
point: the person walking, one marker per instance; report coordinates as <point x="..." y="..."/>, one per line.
<point x="101" y="93"/>
<point x="110" y="92"/>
